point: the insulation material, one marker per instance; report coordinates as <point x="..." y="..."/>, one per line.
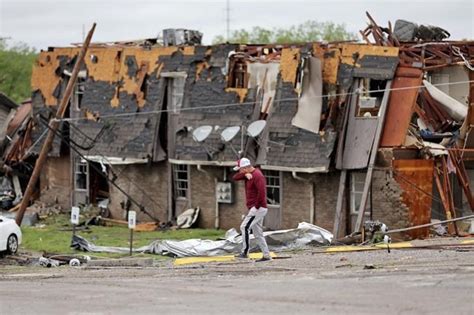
<point x="454" y="108"/>
<point x="263" y="76"/>
<point x="289" y="61"/>
<point x="413" y="176"/>
<point x="308" y="116"/>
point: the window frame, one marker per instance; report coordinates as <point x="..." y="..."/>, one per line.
<point x="270" y="177"/>
<point x="181" y="192"/>
<point x="79" y="163"/>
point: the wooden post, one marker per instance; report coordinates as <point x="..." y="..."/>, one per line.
<point x="449" y="191"/>
<point x="339" y="205"/>
<point x="443" y="200"/>
<point x="373" y="155"/>
<point x="53" y="126"/>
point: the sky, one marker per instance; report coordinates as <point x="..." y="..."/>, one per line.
<point x="44" y="23"/>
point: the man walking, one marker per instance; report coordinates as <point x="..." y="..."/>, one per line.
<point x="256" y="199"/>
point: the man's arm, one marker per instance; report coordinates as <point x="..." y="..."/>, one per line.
<point x="238" y="176"/>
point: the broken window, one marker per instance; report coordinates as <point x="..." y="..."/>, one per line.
<point x="357" y="188"/>
<point x="181" y="180"/>
<point x="81" y="174"/>
<point x="177" y="92"/>
<point x="238" y="75"/>
<point x="273" y="187"/>
<point x="370" y="99"/>
<point x="76" y="98"/>
<point x="176" y="82"/>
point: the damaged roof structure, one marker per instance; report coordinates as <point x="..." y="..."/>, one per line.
<point x="343" y="131"/>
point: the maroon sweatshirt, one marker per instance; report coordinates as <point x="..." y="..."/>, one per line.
<point x="255" y="189"/>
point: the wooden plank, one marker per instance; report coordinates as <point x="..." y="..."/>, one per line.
<point x="401" y="106"/>
<point x="443" y="200"/>
<point x="449" y="191"/>
<point x="339" y="204"/>
<point x="462" y="176"/>
<point x="413" y="176"/>
<point x="378" y="135"/>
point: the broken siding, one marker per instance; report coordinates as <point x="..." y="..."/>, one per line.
<point x="119" y="81"/>
<point x="289" y="147"/>
<point x="294" y="147"/>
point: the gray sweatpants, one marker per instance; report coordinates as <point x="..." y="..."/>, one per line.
<point x="253" y="221"/>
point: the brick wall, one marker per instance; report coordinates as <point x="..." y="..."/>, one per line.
<point x="296" y="196"/>
<point x="295" y="206"/>
<point x="388" y="206"/>
<point x="326" y="188"/>
<point x="148" y="184"/>
<point x="55" y="182"/>
<point x="203" y="195"/>
<point x="297" y="199"/>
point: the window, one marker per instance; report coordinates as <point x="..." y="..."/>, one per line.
<point x="237" y="72"/>
<point x="181" y="180"/>
<point x="81" y="173"/>
<point x="273" y="187"/>
<point x="176" y="82"/>
<point x="76" y="98"/>
<point x="357" y="188"/>
<point x="176" y="91"/>
<point x="371" y="97"/>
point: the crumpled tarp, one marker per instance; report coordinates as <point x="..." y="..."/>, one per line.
<point x="305" y="234"/>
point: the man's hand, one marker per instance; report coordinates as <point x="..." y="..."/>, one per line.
<point x="248" y="176"/>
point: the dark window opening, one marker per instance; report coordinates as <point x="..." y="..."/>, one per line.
<point x="81" y="172"/>
<point x="371" y="97"/>
<point x="99" y="186"/>
<point x="238" y="76"/>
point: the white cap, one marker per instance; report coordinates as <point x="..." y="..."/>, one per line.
<point x="243" y="162"/>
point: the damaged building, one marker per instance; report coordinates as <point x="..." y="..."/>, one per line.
<point x="344" y="132"/>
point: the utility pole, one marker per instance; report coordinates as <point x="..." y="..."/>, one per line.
<point x="53" y="127"/>
<point x="228" y="19"/>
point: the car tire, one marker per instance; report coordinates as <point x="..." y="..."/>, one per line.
<point x="12" y="244"/>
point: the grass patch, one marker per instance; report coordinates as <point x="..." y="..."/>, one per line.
<point x="51" y="239"/>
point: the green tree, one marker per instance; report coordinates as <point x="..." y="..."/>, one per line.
<point x="16" y="64"/>
<point x="309" y="31"/>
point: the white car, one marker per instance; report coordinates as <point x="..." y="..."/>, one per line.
<point x="10" y="235"/>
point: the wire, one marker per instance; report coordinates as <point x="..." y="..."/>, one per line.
<point x="140" y="206"/>
<point x="91" y="146"/>
<point x="114" y="171"/>
<point x="251" y="103"/>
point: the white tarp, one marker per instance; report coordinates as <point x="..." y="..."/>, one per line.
<point x="455" y="109"/>
<point x="310" y="102"/>
<point x="305" y="234"/>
